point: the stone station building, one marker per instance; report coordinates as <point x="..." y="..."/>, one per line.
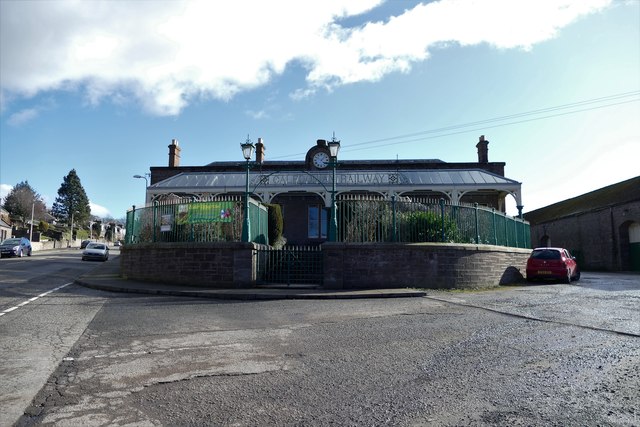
<point x="304" y="188"/>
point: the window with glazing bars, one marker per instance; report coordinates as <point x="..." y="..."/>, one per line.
<point x="318" y="220"/>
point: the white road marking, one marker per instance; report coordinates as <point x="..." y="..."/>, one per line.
<point x="22" y="304"/>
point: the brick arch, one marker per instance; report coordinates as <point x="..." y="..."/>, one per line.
<point x="624" y="244"/>
<point x="545" y="241"/>
<point x="629" y="238"/>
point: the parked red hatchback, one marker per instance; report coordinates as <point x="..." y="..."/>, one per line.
<point x="552" y="264"/>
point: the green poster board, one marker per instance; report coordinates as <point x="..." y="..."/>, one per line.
<point x="205" y="212"/>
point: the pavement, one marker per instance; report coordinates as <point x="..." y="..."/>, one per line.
<point x="106" y="277"/>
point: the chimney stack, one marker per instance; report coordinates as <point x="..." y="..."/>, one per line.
<point x="174" y="154"/>
<point x="483" y="150"/>
<point x="260" y="151"/>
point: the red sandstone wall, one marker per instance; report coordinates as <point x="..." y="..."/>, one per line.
<point x="219" y="265"/>
<point x="356" y="265"/>
<point x="422" y="265"/>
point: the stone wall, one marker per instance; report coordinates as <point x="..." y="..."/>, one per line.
<point x="599" y="239"/>
<point x="219" y="265"/>
<point x="422" y="265"/>
<point x="346" y="265"/>
<point x="48" y="244"/>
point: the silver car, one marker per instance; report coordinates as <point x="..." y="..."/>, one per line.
<point x="97" y="251"/>
<point x="16" y="246"/>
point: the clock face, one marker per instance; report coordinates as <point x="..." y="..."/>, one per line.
<point x="321" y="160"/>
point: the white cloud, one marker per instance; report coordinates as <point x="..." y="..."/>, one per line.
<point x="164" y="54"/>
<point x="22" y="117"/>
<point x="257" y="114"/>
<point x="5" y="189"/>
<point x="99" y="211"/>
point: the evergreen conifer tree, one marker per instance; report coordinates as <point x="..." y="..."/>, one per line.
<point x="72" y="202"/>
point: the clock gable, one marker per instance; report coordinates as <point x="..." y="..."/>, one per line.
<point x="314" y="153"/>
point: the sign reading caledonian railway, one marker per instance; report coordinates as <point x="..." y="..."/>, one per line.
<point x="354" y="178"/>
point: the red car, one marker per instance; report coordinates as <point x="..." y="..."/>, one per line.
<point x="552" y="263"/>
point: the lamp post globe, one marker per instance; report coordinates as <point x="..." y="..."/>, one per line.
<point x="334" y="147"/>
<point x="247" y="149"/>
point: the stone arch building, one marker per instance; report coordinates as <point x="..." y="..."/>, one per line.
<point x="601" y="228"/>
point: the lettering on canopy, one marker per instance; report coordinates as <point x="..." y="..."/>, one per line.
<point x="353" y="178"/>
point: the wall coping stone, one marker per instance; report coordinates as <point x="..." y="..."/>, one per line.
<point x="457" y="246"/>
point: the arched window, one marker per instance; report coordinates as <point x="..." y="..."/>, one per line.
<point x="545" y="241"/>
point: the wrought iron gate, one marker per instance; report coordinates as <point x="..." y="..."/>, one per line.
<point x="291" y="265"/>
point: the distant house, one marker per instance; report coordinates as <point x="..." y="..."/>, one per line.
<point x="117" y="230"/>
<point x="601" y="228"/>
<point x="5" y="227"/>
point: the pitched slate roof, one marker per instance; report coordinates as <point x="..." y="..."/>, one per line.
<point x="236" y="180"/>
<point x="622" y="192"/>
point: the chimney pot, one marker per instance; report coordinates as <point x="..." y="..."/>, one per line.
<point x="260" y="151"/>
<point x="483" y="150"/>
<point x="174" y="154"/>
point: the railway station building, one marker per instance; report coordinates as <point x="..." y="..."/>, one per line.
<point x="305" y="188"/>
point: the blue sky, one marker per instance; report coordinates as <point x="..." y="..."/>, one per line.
<point x="103" y="88"/>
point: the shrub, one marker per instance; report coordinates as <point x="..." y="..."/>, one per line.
<point x="43" y="226"/>
<point x="276" y="224"/>
<point x="421" y="226"/>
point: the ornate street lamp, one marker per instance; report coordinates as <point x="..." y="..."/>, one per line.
<point x="334" y="147"/>
<point x="247" y="153"/>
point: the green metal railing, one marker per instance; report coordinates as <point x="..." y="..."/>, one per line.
<point x="375" y="219"/>
<point x="360" y="219"/>
<point x="186" y="220"/>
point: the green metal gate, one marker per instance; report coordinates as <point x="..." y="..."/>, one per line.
<point x="290" y="265"/>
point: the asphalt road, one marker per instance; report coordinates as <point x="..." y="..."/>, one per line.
<point x="531" y="355"/>
<point x="42" y="314"/>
